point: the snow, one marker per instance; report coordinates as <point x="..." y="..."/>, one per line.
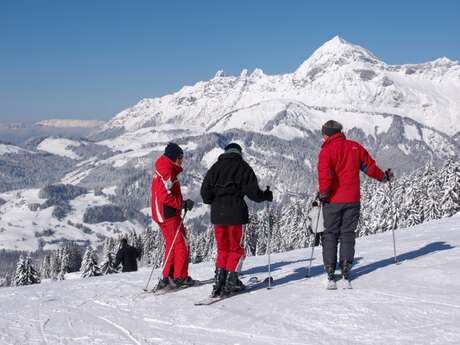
<point x="6" y="149"/>
<point x="59" y="146"/>
<point x="338" y="75"/>
<point x="415" y="302"/>
<point x="210" y="157"/>
<point x="19" y="225"/>
<point x="411" y="132"/>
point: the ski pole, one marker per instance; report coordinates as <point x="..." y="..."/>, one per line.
<point x="269" y="279"/>
<point x="169" y="252"/>
<point x="395" y="257"/>
<point x="313" y="246"/>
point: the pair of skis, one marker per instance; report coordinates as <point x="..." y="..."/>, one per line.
<point x="344" y="283"/>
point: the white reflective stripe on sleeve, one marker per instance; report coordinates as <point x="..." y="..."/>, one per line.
<point x="157" y="210"/>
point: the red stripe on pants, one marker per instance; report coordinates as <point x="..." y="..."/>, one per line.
<point x="229" y="246"/>
<point x="177" y="265"/>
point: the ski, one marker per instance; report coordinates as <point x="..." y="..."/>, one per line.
<point x="253" y="285"/>
<point x="170" y="289"/>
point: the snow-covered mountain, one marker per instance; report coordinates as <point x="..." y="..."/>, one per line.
<point x="405" y="115"/>
<point x="414" y="302"/>
<point x="339" y="75"/>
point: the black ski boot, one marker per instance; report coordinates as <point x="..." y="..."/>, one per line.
<point x="331" y="284"/>
<point x="187" y="282"/>
<point x="231" y="284"/>
<point x="162" y="284"/>
<point x="219" y="282"/>
<point x="346" y="267"/>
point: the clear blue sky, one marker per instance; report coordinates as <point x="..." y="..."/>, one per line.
<point x="91" y="59"/>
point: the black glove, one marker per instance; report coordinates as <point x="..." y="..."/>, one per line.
<point x="388" y="176"/>
<point x="268" y="195"/>
<point x="188" y="204"/>
<point x="322" y="197"/>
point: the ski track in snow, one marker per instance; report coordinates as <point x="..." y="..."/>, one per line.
<point x="414" y="302"/>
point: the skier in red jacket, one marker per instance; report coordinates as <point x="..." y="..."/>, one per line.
<point x="339" y="164"/>
<point x="167" y="204"/>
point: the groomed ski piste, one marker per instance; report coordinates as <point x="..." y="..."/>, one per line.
<point x="416" y="302"/>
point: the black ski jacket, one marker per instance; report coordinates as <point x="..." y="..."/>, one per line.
<point x="127" y="256"/>
<point x="226" y="184"/>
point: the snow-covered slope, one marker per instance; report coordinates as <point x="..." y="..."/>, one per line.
<point x="339" y="74"/>
<point x="59" y="146"/>
<point x="416" y="302"/>
<point x="26" y="226"/>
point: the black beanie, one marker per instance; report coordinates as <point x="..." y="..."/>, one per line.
<point x="331" y="127"/>
<point x="173" y="151"/>
<point x="233" y="146"/>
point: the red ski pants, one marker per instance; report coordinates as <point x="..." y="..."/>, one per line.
<point x="230" y="250"/>
<point x="177" y="265"/>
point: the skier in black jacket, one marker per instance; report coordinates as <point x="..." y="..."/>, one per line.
<point x="226" y="184"/>
<point x="127" y="256"/>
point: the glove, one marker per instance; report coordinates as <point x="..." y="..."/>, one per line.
<point x="322" y="197"/>
<point x="388" y="176"/>
<point x="268" y="195"/>
<point x="188" y="204"/>
<point x="314" y="204"/>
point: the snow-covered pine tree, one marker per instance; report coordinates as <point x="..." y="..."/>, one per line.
<point x="26" y="273"/>
<point x="65" y="263"/>
<point x="89" y="267"/>
<point x="45" y="269"/>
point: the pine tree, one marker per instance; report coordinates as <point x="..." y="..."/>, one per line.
<point x="25" y="272"/>
<point x="108" y="264"/>
<point x="45" y="269"/>
<point x="89" y="267"/>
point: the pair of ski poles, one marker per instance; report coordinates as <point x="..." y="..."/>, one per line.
<point x="169" y="252"/>
<point x="395" y="257"/>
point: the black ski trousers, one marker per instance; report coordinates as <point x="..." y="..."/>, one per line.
<point x="340" y="223"/>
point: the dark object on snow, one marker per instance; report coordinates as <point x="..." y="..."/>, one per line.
<point x="331" y="127"/>
<point x="2" y="202"/>
<point x="224" y="188"/>
<point x="105" y="213"/>
<point x="173" y="151"/>
<point x="127" y="256"/>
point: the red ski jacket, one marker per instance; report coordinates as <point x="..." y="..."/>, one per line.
<point x="339" y="163"/>
<point x="166" y="195"/>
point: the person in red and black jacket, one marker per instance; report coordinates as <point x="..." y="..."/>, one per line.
<point x="339" y="164"/>
<point x="225" y="186"/>
<point x="167" y="204"/>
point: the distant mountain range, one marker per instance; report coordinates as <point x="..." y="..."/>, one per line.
<point x="406" y="115"/>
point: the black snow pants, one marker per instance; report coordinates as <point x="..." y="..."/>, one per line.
<point x="340" y="222"/>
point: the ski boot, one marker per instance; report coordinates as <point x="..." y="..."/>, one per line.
<point x="219" y="282"/>
<point x="162" y="284"/>
<point x="231" y="284"/>
<point x="331" y="283"/>
<point x="345" y="266"/>
<point x="184" y="282"/>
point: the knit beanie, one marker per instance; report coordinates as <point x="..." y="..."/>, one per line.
<point x="233" y="147"/>
<point x="173" y="151"/>
<point x="331" y="127"/>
